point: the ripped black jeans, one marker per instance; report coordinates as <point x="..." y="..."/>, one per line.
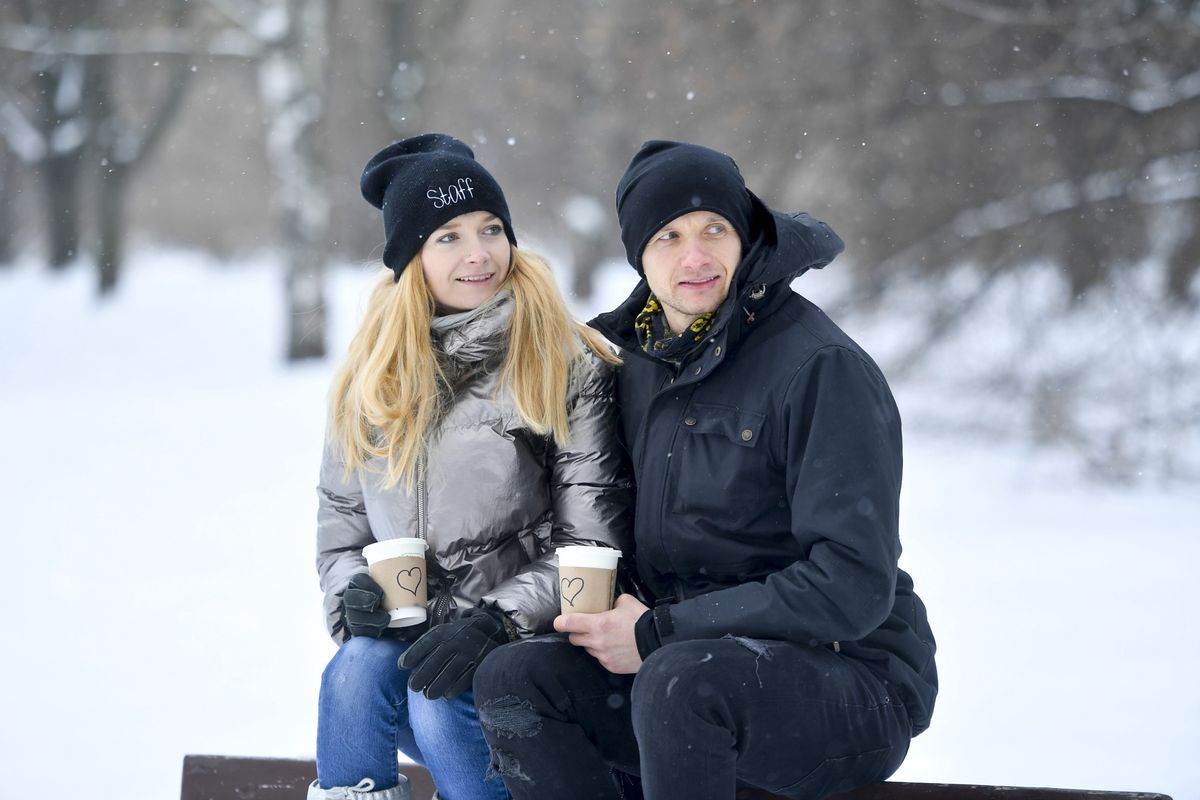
<point x="698" y="720"/>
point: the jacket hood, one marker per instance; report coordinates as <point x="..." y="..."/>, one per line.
<point x="783" y="247"/>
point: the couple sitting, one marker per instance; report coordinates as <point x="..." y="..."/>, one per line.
<point x="768" y="639"/>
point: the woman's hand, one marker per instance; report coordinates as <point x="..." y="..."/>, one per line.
<point x="362" y="611"/>
<point x="607" y="636"/>
<point x="444" y="660"/>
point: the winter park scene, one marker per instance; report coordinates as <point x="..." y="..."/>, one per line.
<point x="201" y="206"/>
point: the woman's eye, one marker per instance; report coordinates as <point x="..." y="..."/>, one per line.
<point x="493" y="230"/>
<point x="446" y="238"/>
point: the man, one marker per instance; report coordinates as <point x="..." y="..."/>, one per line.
<point x="785" y="649"/>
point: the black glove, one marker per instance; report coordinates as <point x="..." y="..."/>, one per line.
<point x="361" y="612"/>
<point x="443" y="661"/>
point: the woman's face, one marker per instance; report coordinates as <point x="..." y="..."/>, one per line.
<point x="466" y="260"/>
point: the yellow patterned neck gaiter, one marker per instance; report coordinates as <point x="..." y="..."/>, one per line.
<point x="657" y="340"/>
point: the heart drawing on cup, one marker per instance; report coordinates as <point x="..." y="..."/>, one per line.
<point x="409" y="580"/>
<point x="571" y="587"/>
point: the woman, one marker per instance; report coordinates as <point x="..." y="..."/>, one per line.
<point x="473" y="412"/>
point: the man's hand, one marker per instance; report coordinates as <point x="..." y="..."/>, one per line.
<point x="607" y="636"/>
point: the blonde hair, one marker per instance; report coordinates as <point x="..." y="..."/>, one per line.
<point x="389" y="392"/>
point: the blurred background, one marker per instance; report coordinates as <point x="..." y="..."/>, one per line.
<point x="1036" y="159"/>
<point x="183" y="252"/>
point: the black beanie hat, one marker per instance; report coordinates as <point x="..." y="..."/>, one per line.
<point x="422" y="183"/>
<point x="666" y="180"/>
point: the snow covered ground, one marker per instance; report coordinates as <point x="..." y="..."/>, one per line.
<point x="157" y="477"/>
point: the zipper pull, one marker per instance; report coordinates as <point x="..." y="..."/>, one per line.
<point x="444" y="602"/>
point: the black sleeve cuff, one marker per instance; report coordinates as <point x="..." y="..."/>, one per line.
<point x="646" y="635"/>
<point x="663" y="622"/>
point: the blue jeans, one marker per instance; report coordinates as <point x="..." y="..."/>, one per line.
<point x="366" y="713"/>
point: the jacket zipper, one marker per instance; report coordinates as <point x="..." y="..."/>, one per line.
<point x="444" y="601"/>
<point x="421" y="521"/>
<point x="668" y="385"/>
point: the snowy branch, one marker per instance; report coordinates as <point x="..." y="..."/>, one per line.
<point x="21" y="135"/>
<point x="1003" y="15"/>
<point x="1169" y="179"/>
<point x="1162" y="181"/>
<point x="235" y="12"/>
<point x="108" y="42"/>
<point x="1081" y="87"/>
<point x="130" y="144"/>
<point x="267" y="21"/>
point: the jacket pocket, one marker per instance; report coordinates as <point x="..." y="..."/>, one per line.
<point x="719" y="466"/>
<point x="739" y="426"/>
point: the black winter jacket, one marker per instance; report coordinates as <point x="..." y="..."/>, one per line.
<point x="768" y="470"/>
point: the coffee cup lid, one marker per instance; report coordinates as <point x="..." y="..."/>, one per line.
<point x="394" y="548"/>
<point x="587" y="556"/>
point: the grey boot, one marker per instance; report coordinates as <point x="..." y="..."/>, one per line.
<point x="365" y="790"/>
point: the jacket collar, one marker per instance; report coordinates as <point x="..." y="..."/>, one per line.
<point x="474" y="335"/>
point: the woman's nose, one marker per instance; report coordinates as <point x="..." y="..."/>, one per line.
<point x="476" y="254"/>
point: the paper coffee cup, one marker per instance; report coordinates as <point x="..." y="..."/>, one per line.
<point x="587" y="578"/>
<point x="398" y="565"/>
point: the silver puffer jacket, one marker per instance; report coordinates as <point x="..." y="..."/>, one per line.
<point x="491" y="497"/>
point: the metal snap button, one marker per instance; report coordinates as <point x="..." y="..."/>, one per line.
<point x="690" y="421"/>
<point x="698" y="370"/>
<point x="717" y="352"/>
<point x="747" y="435"/>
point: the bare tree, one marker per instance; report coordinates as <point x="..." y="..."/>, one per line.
<point x="957" y="145"/>
<point x="8" y="177"/>
<point x="123" y="143"/>
<point x="292" y="83"/>
<point x="70" y="60"/>
<point x="44" y="121"/>
<point x="293" y="36"/>
<point x="1066" y="126"/>
<point x="413" y="35"/>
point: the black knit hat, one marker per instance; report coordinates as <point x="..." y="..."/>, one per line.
<point x="422" y="183"/>
<point x="666" y="180"/>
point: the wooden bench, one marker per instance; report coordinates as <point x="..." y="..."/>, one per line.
<point x="234" y="778"/>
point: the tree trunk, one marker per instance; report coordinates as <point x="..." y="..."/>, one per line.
<point x="588" y="251"/>
<point x="62" y="86"/>
<point x="1184" y="263"/>
<point x="292" y="83"/>
<point x="306" y="307"/>
<point x="110" y="206"/>
<point x="123" y="147"/>
<point x="60" y="177"/>
<point x="8" y="191"/>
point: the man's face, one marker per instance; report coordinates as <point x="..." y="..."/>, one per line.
<point x="689" y="264"/>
